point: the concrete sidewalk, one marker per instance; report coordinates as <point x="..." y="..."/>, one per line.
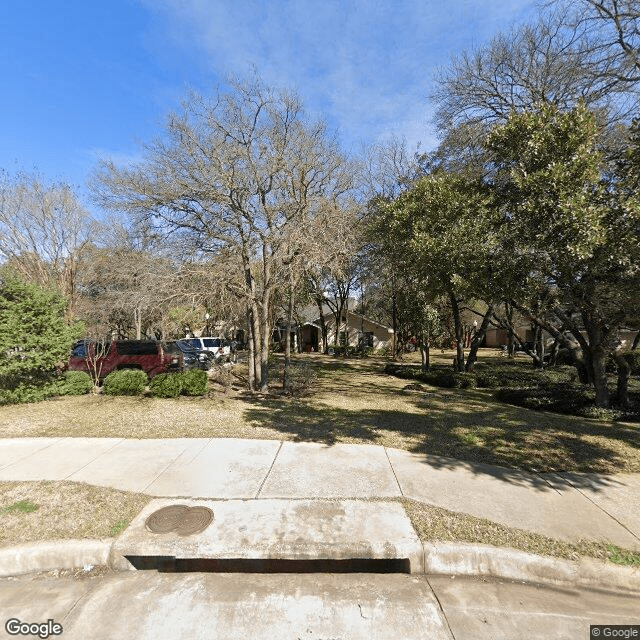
<point x="564" y="506"/>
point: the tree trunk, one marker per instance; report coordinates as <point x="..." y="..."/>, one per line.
<point x="394" y="321"/>
<point x="555" y="350"/>
<point x="459" y="330"/>
<point x="538" y="345"/>
<point x="596" y="356"/>
<point x="252" y="352"/>
<point x="257" y="347"/>
<point x="511" y="347"/>
<point x="323" y="324"/>
<point x="264" y="352"/>
<point x="598" y="364"/>
<point x="424" y="352"/>
<point x="478" y="338"/>
<point x="636" y="342"/>
<point x="137" y="318"/>
<point x="624" y="372"/>
<point x="255" y="371"/>
<point x="286" y="383"/>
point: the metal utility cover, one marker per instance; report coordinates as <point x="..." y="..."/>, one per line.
<point x="179" y="518"/>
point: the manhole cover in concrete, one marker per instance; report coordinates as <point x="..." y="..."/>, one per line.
<point x="180" y="519"/>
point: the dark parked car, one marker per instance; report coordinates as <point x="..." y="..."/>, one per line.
<point x="194" y="358"/>
<point x="219" y="347"/>
<point x="104" y="357"/>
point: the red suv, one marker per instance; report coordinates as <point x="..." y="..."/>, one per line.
<point x="105" y="357"/>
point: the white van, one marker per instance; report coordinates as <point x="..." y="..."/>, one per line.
<point x="220" y="347"/>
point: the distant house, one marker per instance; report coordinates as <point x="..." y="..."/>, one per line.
<point x="353" y="330"/>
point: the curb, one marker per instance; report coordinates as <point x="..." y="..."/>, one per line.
<point x="498" y="562"/>
<point x="31" y="557"/>
<point x="455" y="559"/>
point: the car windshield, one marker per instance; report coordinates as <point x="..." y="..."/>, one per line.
<point x="80" y="350"/>
<point x="186" y="345"/>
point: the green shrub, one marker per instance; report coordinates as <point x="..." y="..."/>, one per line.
<point x="465" y="380"/>
<point x="344" y="350"/>
<point x="488" y="380"/>
<point x="565" y="357"/>
<point x="35" y="337"/>
<point x="194" y="382"/>
<point x="600" y="413"/>
<point x="75" y="383"/>
<point x="402" y="371"/>
<point x="430" y="377"/>
<point x="167" y="385"/>
<point x="561" y="398"/>
<point x="28" y="392"/>
<point x="446" y="380"/>
<point x="126" y="382"/>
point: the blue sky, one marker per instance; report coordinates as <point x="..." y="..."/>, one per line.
<point x="83" y="80"/>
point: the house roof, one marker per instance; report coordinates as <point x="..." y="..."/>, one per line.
<point x="377" y="324"/>
<point x="310" y="316"/>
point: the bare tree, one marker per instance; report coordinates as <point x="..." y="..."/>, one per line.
<point x="556" y="60"/>
<point x="241" y="173"/>
<point x="613" y="29"/>
<point x="43" y="231"/>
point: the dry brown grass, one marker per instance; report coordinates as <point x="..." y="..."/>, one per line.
<point x="434" y="524"/>
<point x="354" y="401"/>
<point x="33" y="511"/>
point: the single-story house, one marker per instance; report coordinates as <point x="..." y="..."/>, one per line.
<point x="353" y="330"/>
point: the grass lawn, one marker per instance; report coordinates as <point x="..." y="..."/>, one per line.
<point x="353" y="401"/>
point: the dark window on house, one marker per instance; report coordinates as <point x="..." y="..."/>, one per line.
<point x="342" y="338"/>
<point x="368" y="338"/>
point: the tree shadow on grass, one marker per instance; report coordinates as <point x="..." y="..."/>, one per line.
<point x="473" y="435"/>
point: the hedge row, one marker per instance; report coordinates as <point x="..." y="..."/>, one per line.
<point x="440" y="377"/>
<point x="132" y="382"/>
<point x="549" y="390"/>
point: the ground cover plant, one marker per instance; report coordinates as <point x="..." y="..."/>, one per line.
<point x="516" y="382"/>
<point x="352" y="401"/>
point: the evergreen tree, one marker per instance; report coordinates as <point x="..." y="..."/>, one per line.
<point x="34" y="336"/>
